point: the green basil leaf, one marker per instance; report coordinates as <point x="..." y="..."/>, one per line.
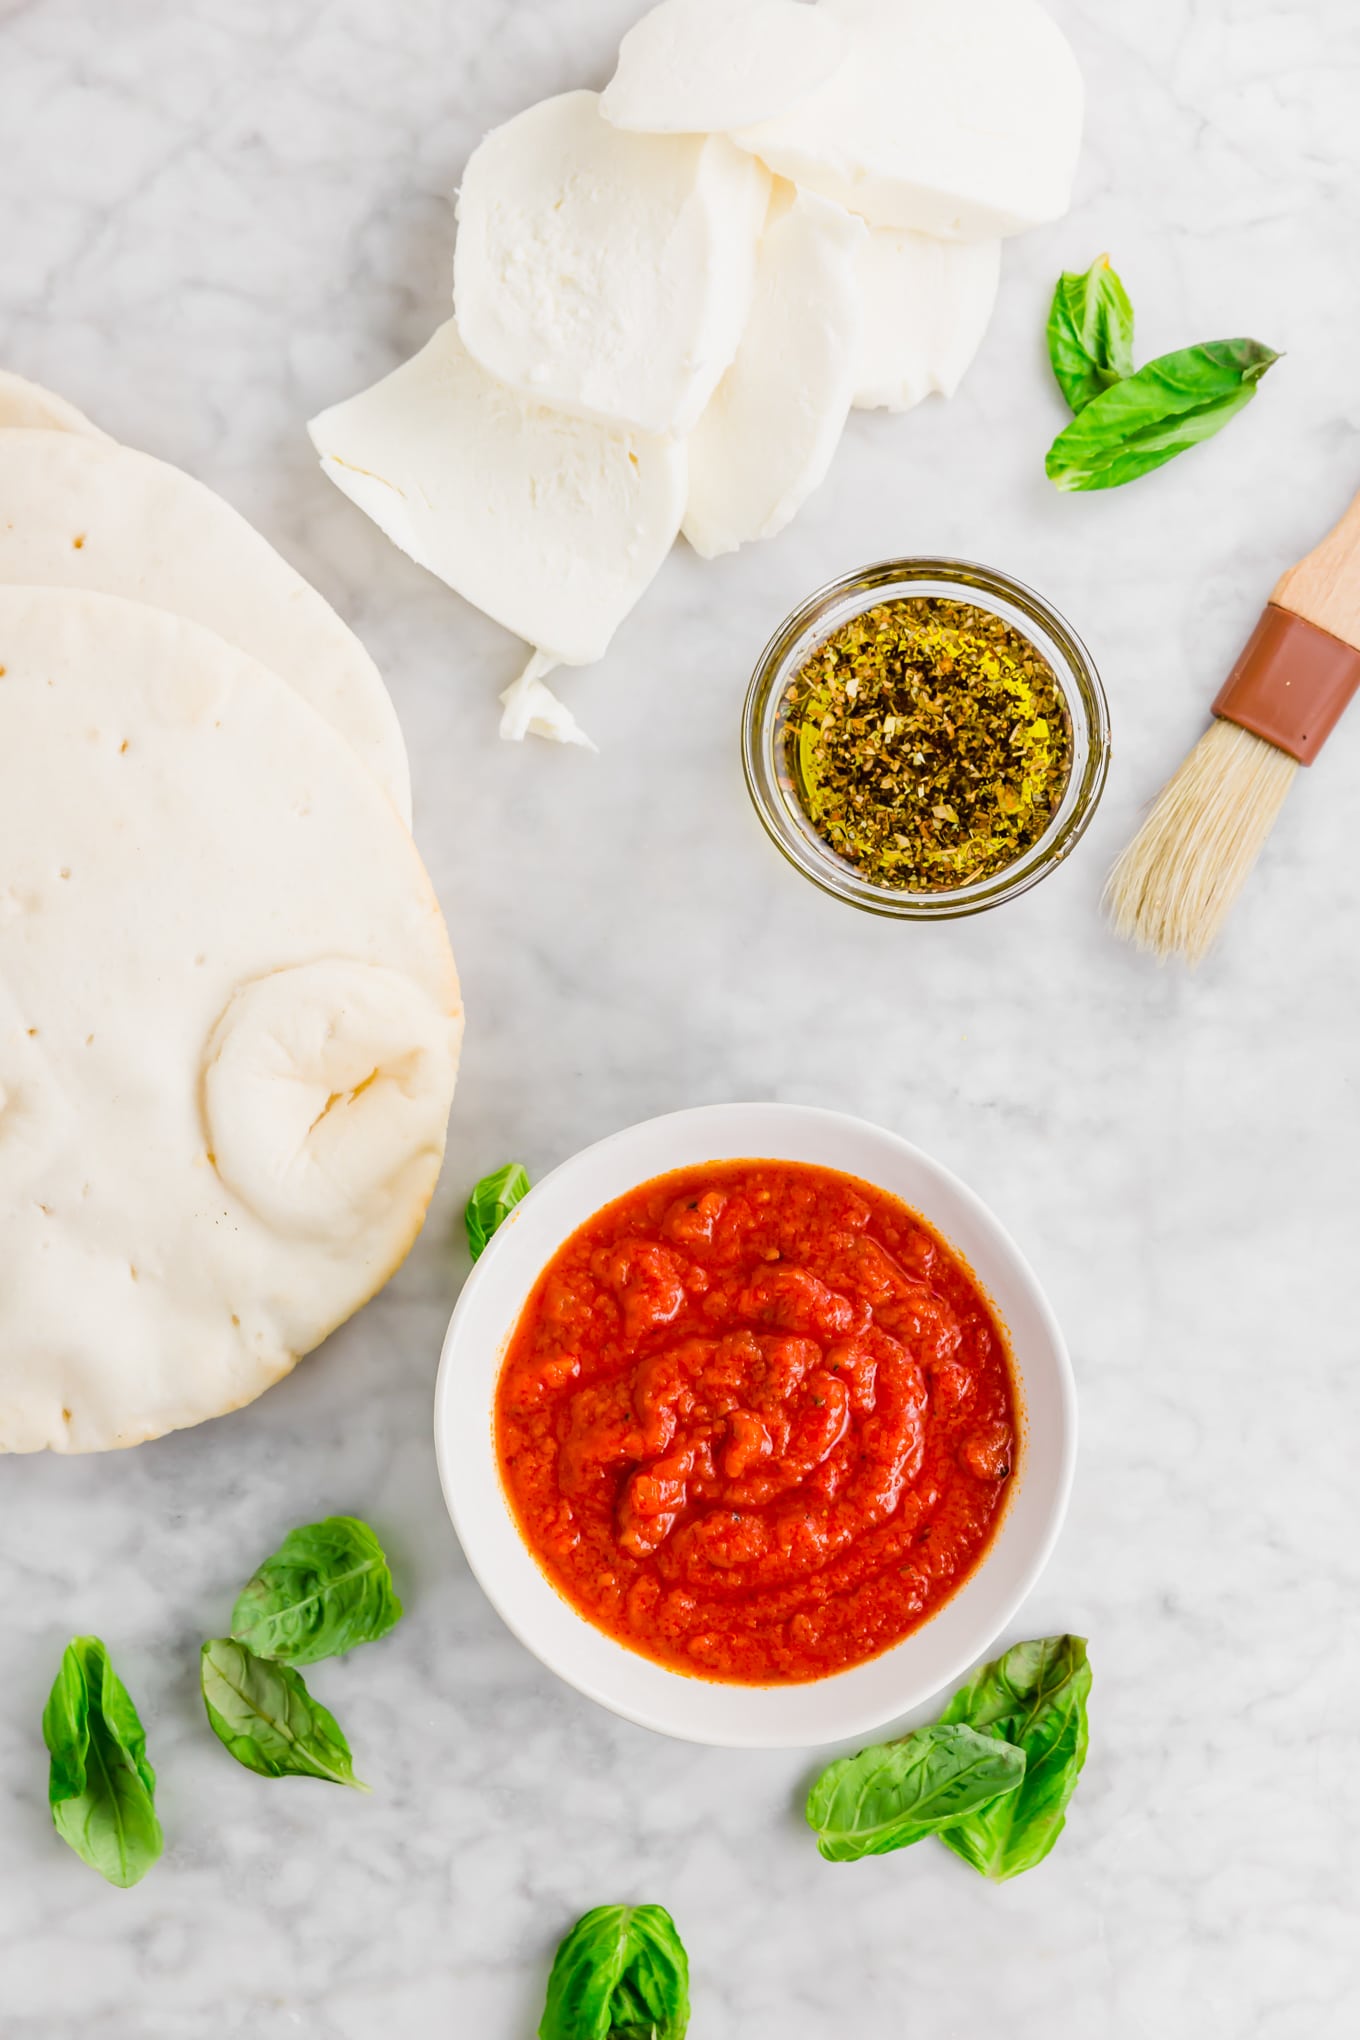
<point x="326" y="1589"/>
<point x="889" y="1796"/>
<point x="101" y="1785"/>
<point x="1090" y="332"/>
<point x="267" y="1718"/>
<point x="1147" y="419"/>
<point x="1033" y="1696"/>
<point x="620" y="1974"/>
<point x="492" y="1201"/>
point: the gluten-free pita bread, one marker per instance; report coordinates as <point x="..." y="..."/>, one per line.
<point x="28" y="403"/>
<point x="229" y="1025"/>
<point x="83" y="512"/>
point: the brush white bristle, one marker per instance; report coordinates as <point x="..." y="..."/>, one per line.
<point x="1172" y="889"/>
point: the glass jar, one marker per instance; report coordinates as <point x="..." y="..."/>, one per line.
<point x="798" y="637"/>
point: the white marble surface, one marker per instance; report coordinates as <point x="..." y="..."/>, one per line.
<point x="219" y="215"/>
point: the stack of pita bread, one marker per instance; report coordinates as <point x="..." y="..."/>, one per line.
<point x="229" y="1015"/>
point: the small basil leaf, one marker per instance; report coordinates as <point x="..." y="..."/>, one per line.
<point x="620" y="1974"/>
<point x="889" y="1796"/>
<point x="326" y="1589"/>
<point x="101" y="1785"/>
<point x="491" y="1203"/>
<point x="1035" y="1697"/>
<point x="1147" y="419"/>
<point x="1090" y="332"/>
<point x="267" y="1718"/>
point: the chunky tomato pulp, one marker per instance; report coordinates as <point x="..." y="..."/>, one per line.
<point x="757" y="1421"/>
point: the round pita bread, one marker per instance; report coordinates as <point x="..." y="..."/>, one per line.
<point x="80" y="512"/>
<point x="29" y="404"/>
<point x="229" y="1025"/>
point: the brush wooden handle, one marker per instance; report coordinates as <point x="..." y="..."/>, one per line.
<point x="1324" y="588"/>
<point x="1301" y="666"/>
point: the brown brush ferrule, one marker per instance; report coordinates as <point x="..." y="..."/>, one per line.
<point x="1291" y="684"/>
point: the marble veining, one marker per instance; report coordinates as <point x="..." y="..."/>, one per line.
<point x="220" y="215"/>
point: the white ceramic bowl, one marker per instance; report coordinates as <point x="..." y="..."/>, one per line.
<point x="847" y="1704"/>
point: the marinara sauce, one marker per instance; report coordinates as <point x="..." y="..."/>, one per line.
<point x="757" y="1421"/>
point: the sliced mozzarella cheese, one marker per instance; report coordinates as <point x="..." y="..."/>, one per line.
<point x="926" y="307"/>
<point x="705" y="66"/>
<point x="606" y="273"/>
<point x="28" y="403"/>
<point x="958" y="117"/>
<point x="766" y="440"/>
<point x="552" y="524"/>
<point x="531" y="709"/>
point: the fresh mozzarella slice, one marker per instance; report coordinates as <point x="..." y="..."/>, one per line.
<point x="766" y="440"/>
<point x="553" y="525"/>
<point x="926" y="306"/>
<point x="958" y="117"/>
<point x="531" y="709"/>
<point x="87" y="513"/>
<point x="705" y="66"/>
<point x="28" y="403"/>
<point x="603" y="272"/>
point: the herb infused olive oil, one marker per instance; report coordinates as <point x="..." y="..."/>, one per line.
<point x="927" y="743"/>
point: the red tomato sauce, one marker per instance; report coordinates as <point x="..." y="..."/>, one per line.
<point x="757" y="1421"/>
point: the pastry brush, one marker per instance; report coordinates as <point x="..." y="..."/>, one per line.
<point x="1173" y="887"/>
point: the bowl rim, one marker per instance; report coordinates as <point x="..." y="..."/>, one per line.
<point x="637" y="1688"/>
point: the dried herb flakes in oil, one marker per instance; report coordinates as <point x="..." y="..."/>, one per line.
<point x="928" y="743"/>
